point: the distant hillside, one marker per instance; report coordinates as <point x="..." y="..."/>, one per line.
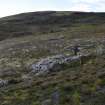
<point x="35" y="23"/>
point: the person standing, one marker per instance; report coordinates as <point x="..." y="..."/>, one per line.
<point x="76" y="50"/>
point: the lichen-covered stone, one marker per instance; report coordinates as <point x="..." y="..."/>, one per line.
<point x="53" y="63"/>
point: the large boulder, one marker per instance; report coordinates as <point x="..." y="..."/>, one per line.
<point x="54" y="63"/>
<point x="47" y="64"/>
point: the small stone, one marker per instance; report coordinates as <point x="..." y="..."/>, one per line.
<point x="3" y="83"/>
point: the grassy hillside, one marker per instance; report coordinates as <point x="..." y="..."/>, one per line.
<point x="51" y="22"/>
<point x="29" y="37"/>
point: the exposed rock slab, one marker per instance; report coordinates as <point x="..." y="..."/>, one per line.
<point x="54" y="63"/>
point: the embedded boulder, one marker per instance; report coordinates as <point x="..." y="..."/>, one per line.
<point x="54" y="63"/>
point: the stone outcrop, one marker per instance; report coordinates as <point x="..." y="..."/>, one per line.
<point x="55" y="63"/>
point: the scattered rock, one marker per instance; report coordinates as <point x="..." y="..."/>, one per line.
<point x="3" y="83"/>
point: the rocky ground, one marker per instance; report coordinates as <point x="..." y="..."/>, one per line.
<point x="31" y="72"/>
<point x="41" y="68"/>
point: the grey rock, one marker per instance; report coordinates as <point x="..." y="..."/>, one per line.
<point x="53" y="63"/>
<point x="47" y="64"/>
<point x="3" y="83"/>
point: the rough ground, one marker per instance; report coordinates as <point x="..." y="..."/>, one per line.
<point x="37" y="65"/>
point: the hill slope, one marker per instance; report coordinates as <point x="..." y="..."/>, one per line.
<point x="44" y="22"/>
<point x="41" y="43"/>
